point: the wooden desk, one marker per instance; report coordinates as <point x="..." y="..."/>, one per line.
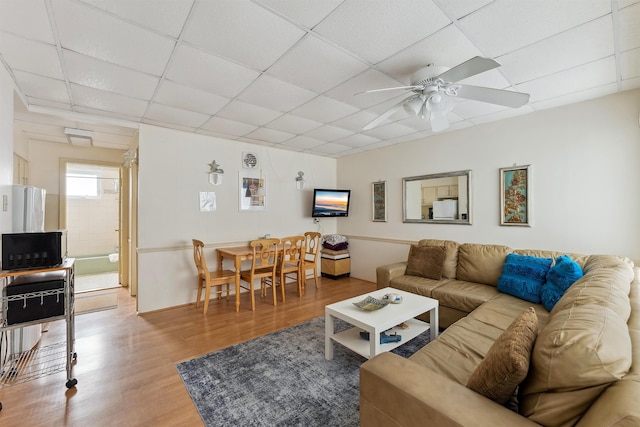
<point x="237" y="254"/>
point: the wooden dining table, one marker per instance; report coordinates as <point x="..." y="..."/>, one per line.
<point x="237" y="254"/>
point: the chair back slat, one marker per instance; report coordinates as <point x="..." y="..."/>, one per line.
<point x="312" y="246"/>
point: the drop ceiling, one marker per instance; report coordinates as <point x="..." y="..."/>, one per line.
<point x="284" y="73"/>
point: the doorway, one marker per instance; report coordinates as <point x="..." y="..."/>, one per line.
<point x="92" y="221"/>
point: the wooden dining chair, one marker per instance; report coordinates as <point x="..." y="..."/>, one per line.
<point x="219" y="279"/>
<point x="263" y="265"/>
<point x="290" y="263"/>
<point x="312" y="250"/>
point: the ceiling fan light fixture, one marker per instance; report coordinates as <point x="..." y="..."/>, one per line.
<point x="414" y="105"/>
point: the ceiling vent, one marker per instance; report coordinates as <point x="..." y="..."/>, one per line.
<point x="79" y="137"/>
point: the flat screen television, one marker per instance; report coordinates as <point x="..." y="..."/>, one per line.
<point x="330" y="203"/>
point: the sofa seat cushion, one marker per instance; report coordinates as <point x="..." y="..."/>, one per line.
<point x="451" y="258"/>
<point x="466" y="296"/>
<point x="459" y="349"/>
<point x="506" y="363"/>
<point x="503" y="308"/>
<point x="417" y="285"/>
<point x="481" y="263"/>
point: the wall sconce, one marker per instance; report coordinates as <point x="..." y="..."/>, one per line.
<point x="215" y="173"/>
<point x="300" y="181"/>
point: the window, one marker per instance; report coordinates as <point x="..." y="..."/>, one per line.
<point x="83" y="185"/>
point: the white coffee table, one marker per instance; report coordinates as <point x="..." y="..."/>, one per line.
<point x="378" y="321"/>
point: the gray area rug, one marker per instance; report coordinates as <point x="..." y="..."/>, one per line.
<point x="281" y="379"/>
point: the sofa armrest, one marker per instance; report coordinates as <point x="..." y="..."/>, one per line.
<point x="395" y="391"/>
<point x="385" y="273"/>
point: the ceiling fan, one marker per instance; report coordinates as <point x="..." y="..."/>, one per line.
<point x="434" y="88"/>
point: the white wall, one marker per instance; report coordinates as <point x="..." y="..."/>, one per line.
<point x="173" y="168"/>
<point x="585" y="177"/>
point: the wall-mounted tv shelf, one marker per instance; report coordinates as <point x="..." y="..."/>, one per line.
<point x="22" y="366"/>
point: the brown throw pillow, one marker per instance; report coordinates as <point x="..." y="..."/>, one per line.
<point x="426" y="261"/>
<point x="506" y="363"/>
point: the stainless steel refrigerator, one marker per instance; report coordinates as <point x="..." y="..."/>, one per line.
<point x="28" y="209"/>
<point x="27" y="215"/>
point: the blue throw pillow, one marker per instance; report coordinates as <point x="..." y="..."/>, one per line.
<point x="560" y="277"/>
<point x="523" y="276"/>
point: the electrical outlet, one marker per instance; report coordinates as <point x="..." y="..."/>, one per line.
<point x="316" y="221"/>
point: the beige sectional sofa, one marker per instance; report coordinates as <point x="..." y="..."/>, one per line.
<point x="585" y="363"/>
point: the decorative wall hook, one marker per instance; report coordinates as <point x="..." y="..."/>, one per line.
<point x="300" y="181"/>
<point x="215" y="173"/>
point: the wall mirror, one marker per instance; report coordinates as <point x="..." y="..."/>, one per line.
<point x="443" y="198"/>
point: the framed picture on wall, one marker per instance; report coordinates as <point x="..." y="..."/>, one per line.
<point x="515" y="195"/>
<point x="253" y="191"/>
<point x="379" y="201"/>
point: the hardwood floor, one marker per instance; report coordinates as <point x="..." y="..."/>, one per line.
<point x="126" y="362"/>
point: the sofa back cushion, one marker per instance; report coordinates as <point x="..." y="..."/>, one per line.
<point x="451" y="257"/>
<point x="481" y="263"/>
<point x="585" y="347"/>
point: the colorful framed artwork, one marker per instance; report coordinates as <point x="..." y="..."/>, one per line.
<point x="515" y="195"/>
<point x="379" y="201"/>
<point x="253" y="191"/>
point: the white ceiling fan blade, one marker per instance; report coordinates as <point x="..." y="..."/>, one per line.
<point x="493" y="96"/>
<point x="391" y="88"/>
<point x="375" y="122"/>
<point x="473" y="66"/>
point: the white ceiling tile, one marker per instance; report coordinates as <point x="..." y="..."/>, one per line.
<point x="432" y="50"/>
<point x="198" y="69"/>
<point x="166" y="16"/>
<point x="275" y="94"/>
<point x="370" y="28"/>
<point x="629" y="19"/>
<point x="504" y="114"/>
<point x="106" y="101"/>
<point x="242" y="31"/>
<point x="42" y="58"/>
<point x="390" y="131"/>
<point x="248" y="113"/>
<point x="467" y="108"/>
<point x="302" y="142"/>
<point x="167" y="114"/>
<point x="574" y="97"/>
<point x="325" y="109"/>
<point x="576" y="79"/>
<point x="460" y="8"/>
<point x="42" y="87"/>
<point x="586" y="43"/>
<point x="27" y="18"/>
<point x="358" y="140"/>
<point x="187" y="98"/>
<point x="91" y="72"/>
<point x="355" y="122"/>
<point x="293" y="124"/>
<point x="216" y="134"/>
<point x="63" y="106"/>
<point x="107" y="114"/>
<point x="328" y="133"/>
<point x="168" y="125"/>
<point x="625" y="3"/>
<point x="329" y="148"/>
<point x="86" y="30"/>
<point x="630" y="64"/>
<point x="351" y="90"/>
<point x="505" y="25"/>
<point x="304" y="12"/>
<point x="226" y="126"/>
<point x="270" y="135"/>
<point x="316" y="65"/>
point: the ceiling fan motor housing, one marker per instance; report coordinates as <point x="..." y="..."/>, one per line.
<point x="427" y="75"/>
